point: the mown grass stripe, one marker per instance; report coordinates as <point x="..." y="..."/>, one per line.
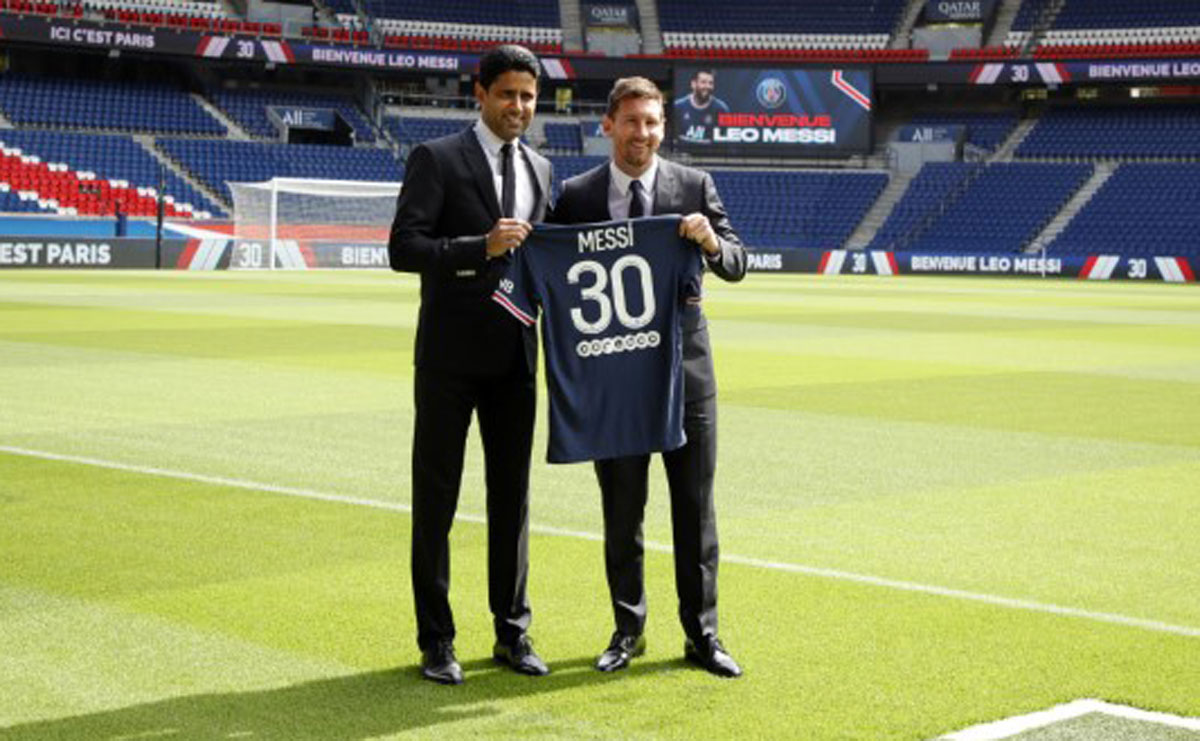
<point x="815" y="571"/>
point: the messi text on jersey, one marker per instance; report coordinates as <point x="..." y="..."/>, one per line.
<point x="606" y="238"/>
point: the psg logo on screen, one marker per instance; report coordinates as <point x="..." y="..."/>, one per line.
<point x="771" y="92"/>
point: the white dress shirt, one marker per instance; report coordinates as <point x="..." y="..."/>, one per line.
<point x="491" y="144"/>
<point x="618" y="190"/>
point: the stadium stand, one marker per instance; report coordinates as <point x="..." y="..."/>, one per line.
<point x="1137" y="211"/>
<point x="1113" y="17"/>
<point x="564" y="138"/>
<point x="195" y="15"/>
<point x="58" y="189"/>
<point x="984" y="130"/>
<point x="248" y="108"/>
<point x="47" y="165"/>
<point x="215" y="162"/>
<point x="85" y="104"/>
<point x="196" y="8"/>
<point x="415" y="129"/>
<point x="61" y="8"/>
<point x="571" y="165"/>
<point x="468" y="25"/>
<point x="1089" y="29"/>
<point x="932" y="186"/>
<point x="467" y="13"/>
<point x="107" y="157"/>
<point x="788" y="209"/>
<point x="985" y="53"/>
<point x="1161" y="132"/>
<point x="823" y="29"/>
<point x="12" y="201"/>
<point x="998" y="207"/>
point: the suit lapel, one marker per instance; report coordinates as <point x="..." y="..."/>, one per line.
<point x="481" y="172"/>
<point x="540" y="177"/>
<point x="666" y="190"/>
<point x="598" y="194"/>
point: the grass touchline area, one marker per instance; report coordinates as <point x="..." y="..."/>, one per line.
<point x="731" y="558"/>
<point x="920" y="447"/>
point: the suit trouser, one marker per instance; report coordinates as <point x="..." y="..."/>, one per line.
<point x="690" y="474"/>
<point x="505" y="407"/>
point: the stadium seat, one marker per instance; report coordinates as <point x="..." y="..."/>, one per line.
<point x="94" y="175"/>
<point x="964" y="207"/>
<point x="1158" y="132"/>
<point x="248" y="108"/>
<point x="143" y="107"/>
<point x="790" y="209"/>
<point x="216" y="162"/>
<point x="1142" y="209"/>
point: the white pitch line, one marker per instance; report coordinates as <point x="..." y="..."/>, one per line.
<point x="824" y="573"/>
<point x="1009" y="727"/>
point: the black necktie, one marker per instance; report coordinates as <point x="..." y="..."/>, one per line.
<point x="636" y="209"/>
<point x="508" y="188"/>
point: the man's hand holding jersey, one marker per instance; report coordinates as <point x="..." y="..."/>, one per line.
<point x="697" y="227"/>
<point x="507" y="234"/>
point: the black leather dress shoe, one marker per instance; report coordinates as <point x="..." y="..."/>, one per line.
<point x="521" y="657"/>
<point x="438" y="664"/>
<point x="709" y="654"/>
<point x="621" y="650"/>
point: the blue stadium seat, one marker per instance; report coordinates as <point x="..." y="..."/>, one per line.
<point x="569" y="166"/>
<point x="216" y="162"/>
<point x="416" y="129"/>
<point x="564" y="138"/>
<point x="1093" y="14"/>
<point x="543" y="13"/>
<point x="111" y="157"/>
<point x="985" y="130"/>
<point x="959" y="207"/>
<point x="1143" y="209"/>
<point x="248" y="108"/>
<point x="70" y="103"/>
<point x="788" y="209"/>
<point x="1115" y="131"/>
<point x="781" y="16"/>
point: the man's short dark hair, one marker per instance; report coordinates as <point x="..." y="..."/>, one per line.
<point x="704" y="71"/>
<point x="507" y="58"/>
<point x="631" y="88"/>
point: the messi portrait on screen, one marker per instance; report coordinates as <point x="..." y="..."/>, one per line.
<point x="775" y="112"/>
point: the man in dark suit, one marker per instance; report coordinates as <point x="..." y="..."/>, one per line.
<point x="636" y="182"/>
<point x="468" y="200"/>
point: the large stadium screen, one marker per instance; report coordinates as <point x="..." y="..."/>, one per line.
<point x="777" y="112"/>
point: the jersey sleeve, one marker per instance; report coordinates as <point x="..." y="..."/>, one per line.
<point x="516" y="292"/>
<point x="691" y="271"/>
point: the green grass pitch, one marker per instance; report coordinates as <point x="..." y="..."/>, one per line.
<point x="941" y="502"/>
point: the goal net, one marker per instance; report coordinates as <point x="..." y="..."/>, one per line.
<point x="300" y="223"/>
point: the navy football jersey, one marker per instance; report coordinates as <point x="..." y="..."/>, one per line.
<point x="612" y="296"/>
<point x="695" y="125"/>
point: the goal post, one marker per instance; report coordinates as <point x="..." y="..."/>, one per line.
<point x="307" y="223"/>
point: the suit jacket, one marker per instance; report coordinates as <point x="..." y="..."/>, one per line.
<point x="677" y="190"/>
<point x="446" y="207"/>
